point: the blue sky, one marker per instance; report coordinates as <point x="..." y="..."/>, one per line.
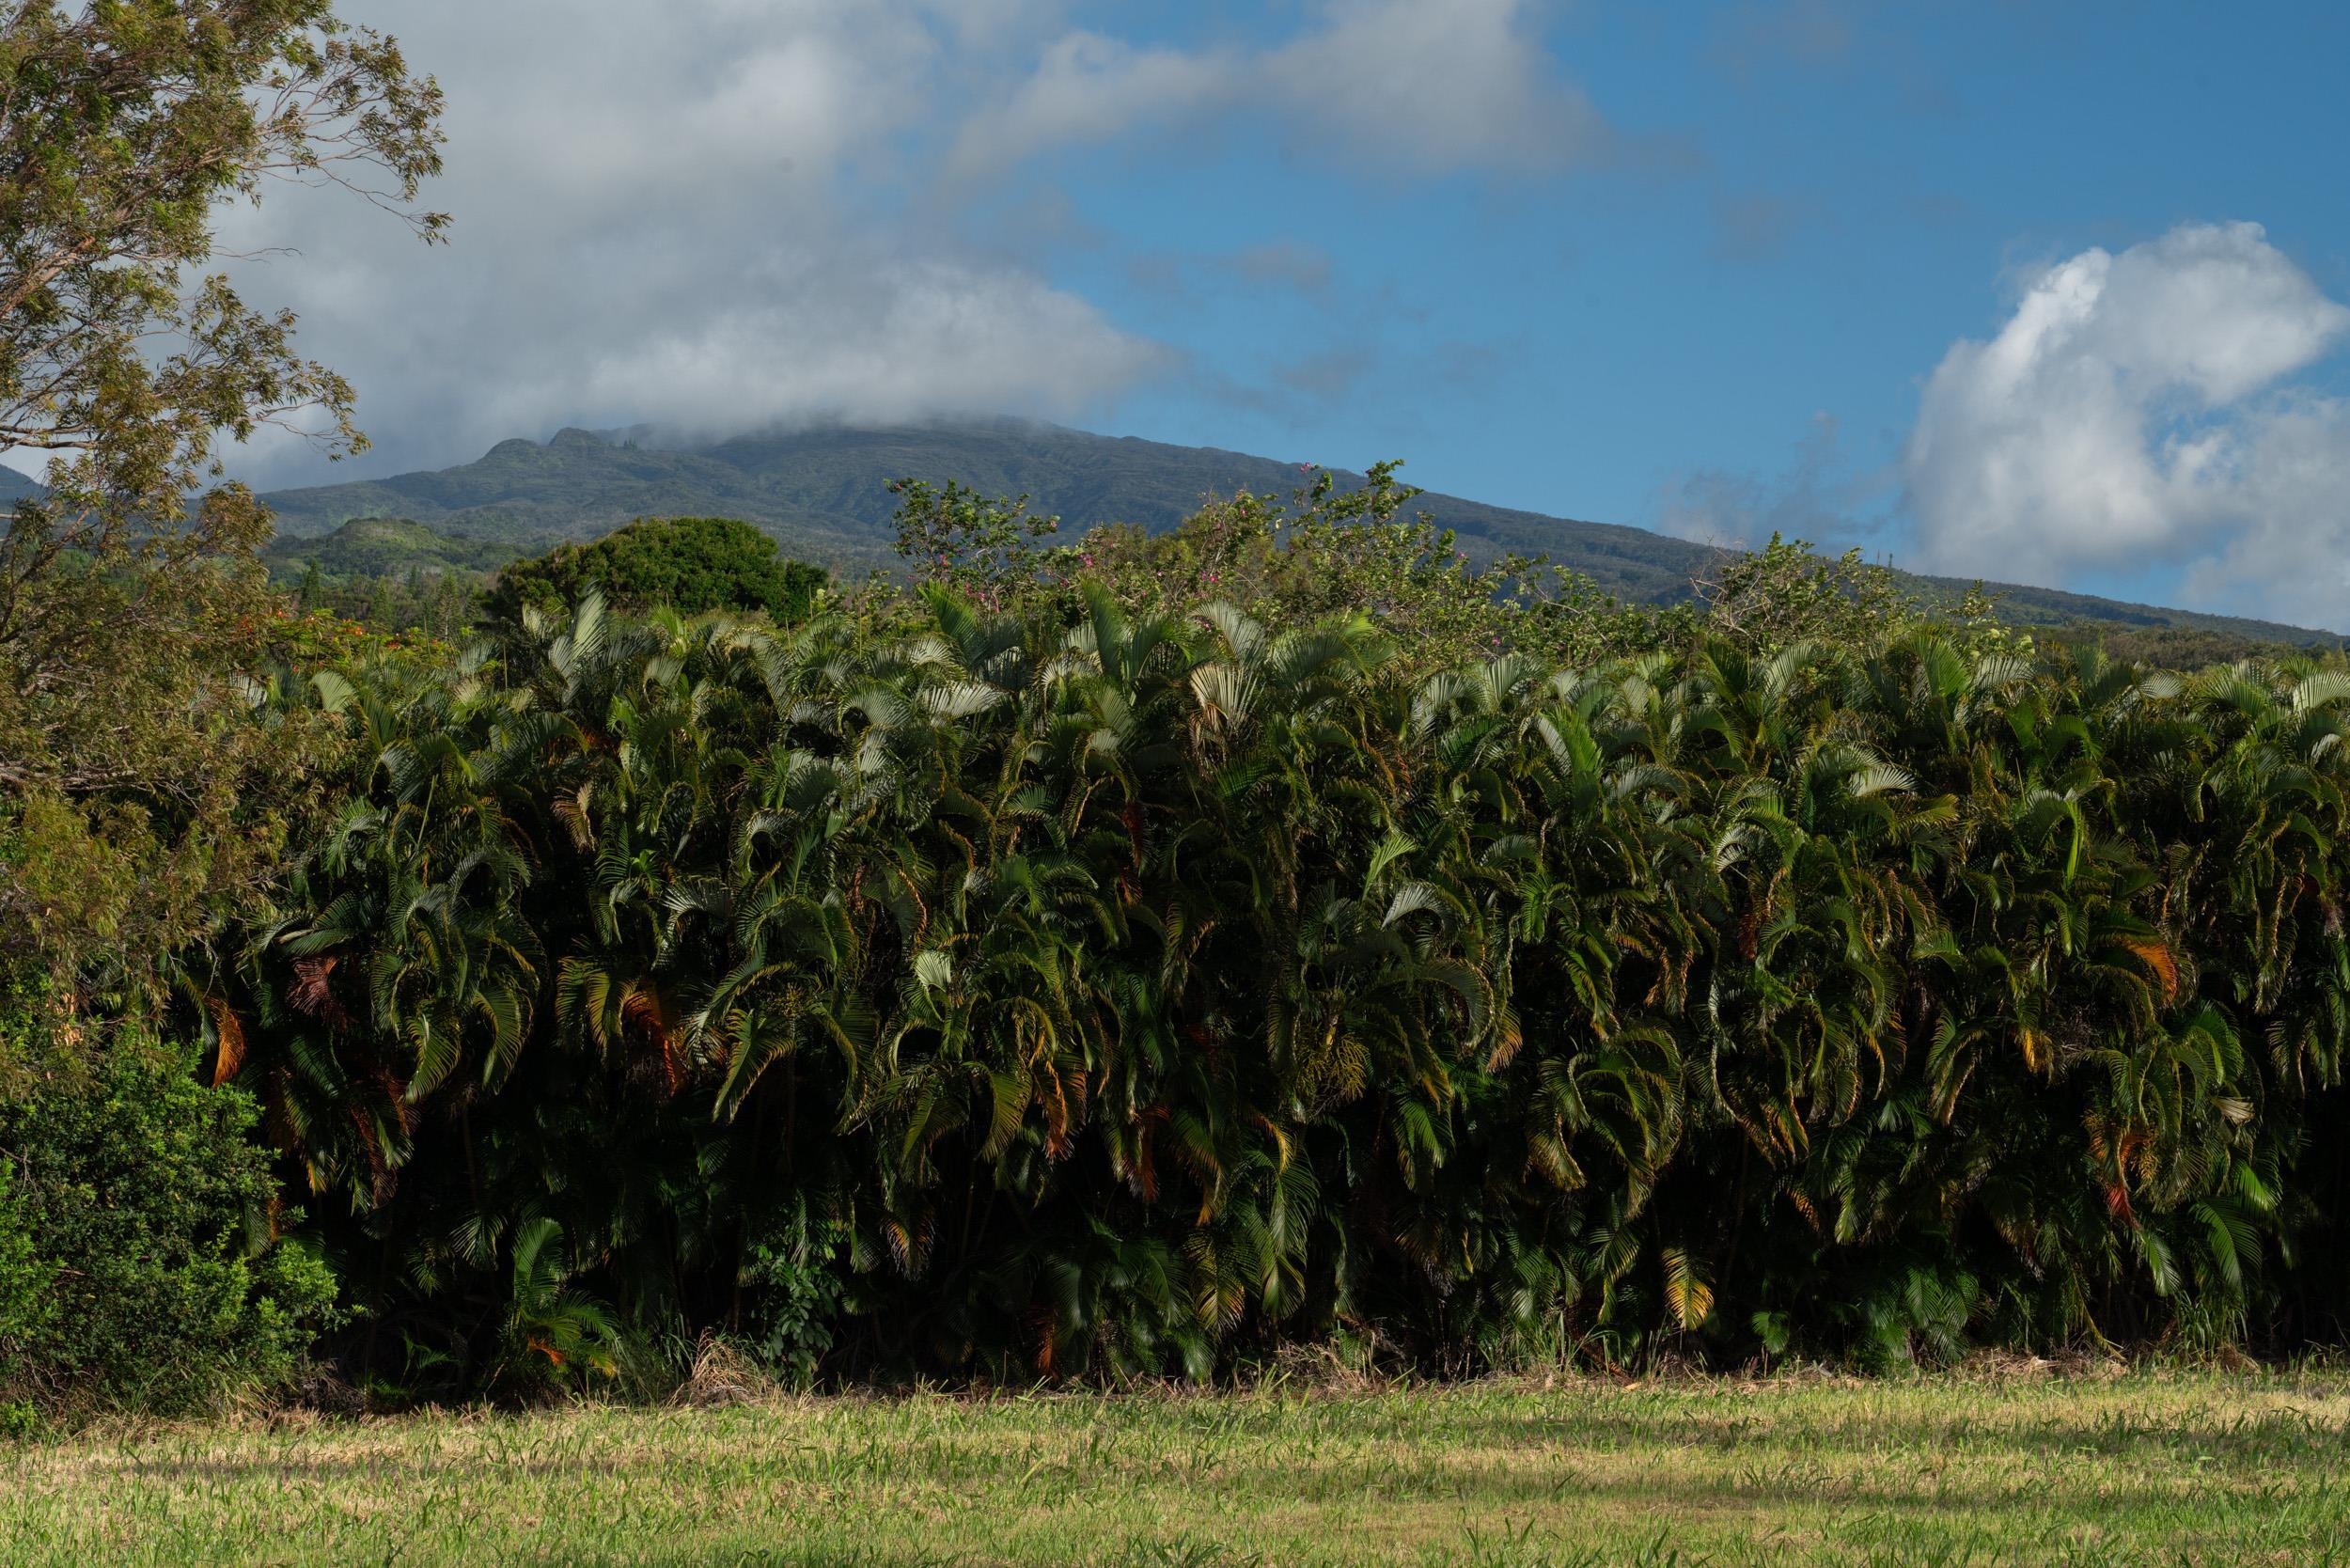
<point x="1826" y="198"/>
<point x="1713" y="268"/>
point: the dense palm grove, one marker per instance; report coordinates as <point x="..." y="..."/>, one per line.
<point x="1099" y="992"/>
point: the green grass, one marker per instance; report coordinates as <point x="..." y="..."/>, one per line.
<point x="2149" y="1467"/>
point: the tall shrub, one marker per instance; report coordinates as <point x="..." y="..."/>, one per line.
<point x="141" y="1258"/>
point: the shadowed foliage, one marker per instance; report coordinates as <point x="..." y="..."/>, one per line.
<point x="690" y="564"/>
<point x="1093" y="992"/>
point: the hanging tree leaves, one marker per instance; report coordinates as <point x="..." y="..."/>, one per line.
<point x="128" y="595"/>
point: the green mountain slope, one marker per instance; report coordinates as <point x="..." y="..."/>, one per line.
<point x="581" y="486"/>
<point x="822" y="494"/>
<point x="391" y="547"/>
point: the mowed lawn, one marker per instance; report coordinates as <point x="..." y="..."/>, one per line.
<point x="2147" y="1468"/>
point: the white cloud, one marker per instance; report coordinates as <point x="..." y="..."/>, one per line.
<point x="1438" y="86"/>
<point x="1400" y="84"/>
<point x="740" y="212"/>
<point x="694" y="217"/>
<point x="2136" y="413"/>
<point x="1088" y="88"/>
<point x="918" y="338"/>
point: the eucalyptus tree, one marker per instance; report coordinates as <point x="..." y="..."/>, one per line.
<point x="130" y="802"/>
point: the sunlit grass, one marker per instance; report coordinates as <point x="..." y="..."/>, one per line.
<point x="2150" y="1468"/>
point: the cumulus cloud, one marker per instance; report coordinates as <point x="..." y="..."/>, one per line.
<point x="2137" y="412"/>
<point x="1436" y="88"/>
<point x="897" y="341"/>
<point x="692" y="220"/>
<point x="741" y="212"/>
<point x="1088" y="88"/>
<point x="1402" y="84"/>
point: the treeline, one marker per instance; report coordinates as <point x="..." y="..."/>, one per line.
<point x="1138" y="957"/>
<point x="394" y="576"/>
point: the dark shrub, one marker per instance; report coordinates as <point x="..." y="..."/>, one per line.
<point x="141" y="1265"/>
<point x="691" y="564"/>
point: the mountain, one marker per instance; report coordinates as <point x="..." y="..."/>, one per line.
<point x="823" y="493"/>
<point x="17" y="487"/>
<point x="392" y="547"/>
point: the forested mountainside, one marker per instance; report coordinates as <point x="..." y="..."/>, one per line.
<point x="823" y="493"/>
<point x="393" y="546"/>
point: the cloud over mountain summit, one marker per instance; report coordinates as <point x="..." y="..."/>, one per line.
<point x="2137" y="409"/>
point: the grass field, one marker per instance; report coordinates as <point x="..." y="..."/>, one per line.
<point x="2160" y="1469"/>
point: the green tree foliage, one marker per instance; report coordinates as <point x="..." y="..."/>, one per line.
<point x="688" y="564"/>
<point x="395" y="574"/>
<point x="27" y="1308"/>
<point x="2168" y="646"/>
<point x="1329" y="552"/>
<point x="130" y="610"/>
<point x="1086" y="990"/>
<point x="1783" y="593"/>
<point x="140" y="1263"/>
<point x="951" y="534"/>
<point x="437" y="606"/>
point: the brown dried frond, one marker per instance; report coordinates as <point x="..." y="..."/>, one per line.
<point x="313" y="991"/>
<point x="2156" y="955"/>
<point x="650" y="1013"/>
<point x="231" y="1033"/>
<point x="378" y="1166"/>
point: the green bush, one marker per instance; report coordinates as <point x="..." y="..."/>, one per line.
<point x="25" y="1276"/>
<point x="690" y="564"/>
<point x="141" y="1261"/>
<point x="793" y="1278"/>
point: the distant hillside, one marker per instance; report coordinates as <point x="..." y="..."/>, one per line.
<point x="392" y="547"/>
<point x="15" y="486"/>
<point x="581" y="486"/>
<point x="822" y="494"/>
